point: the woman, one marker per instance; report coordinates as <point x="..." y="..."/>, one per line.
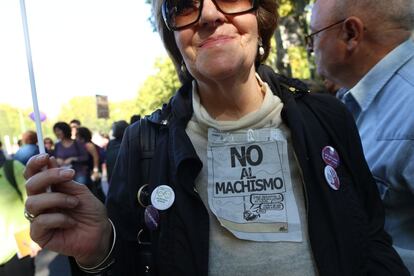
<point x="84" y="136"/>
<point x="246" y="177"/>
<point x="118" y="129"/>
<point x="70" y="153"/>
<point x="49" y="145"/>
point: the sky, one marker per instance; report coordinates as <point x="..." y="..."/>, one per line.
<point x="79" y="48"/>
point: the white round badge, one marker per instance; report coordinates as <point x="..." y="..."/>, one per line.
<point x="332" y="178"/>
<point x="162" y="197"/>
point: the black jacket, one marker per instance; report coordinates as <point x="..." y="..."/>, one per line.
<point x="345" y="226"/>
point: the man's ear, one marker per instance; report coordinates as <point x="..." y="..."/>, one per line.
<point x="353" y="32"/>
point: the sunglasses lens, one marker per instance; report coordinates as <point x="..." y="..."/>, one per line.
<point x="181" y="13"/>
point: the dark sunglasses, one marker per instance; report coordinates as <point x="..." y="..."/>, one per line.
<point x="179" y="14"/>
<point x="309" y="37"/>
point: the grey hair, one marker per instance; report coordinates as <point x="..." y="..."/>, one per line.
<point x="399" y="13"/>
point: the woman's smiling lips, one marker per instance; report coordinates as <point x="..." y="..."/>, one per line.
<point x="215" y="41"/>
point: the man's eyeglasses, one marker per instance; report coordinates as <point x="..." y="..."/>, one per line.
<point x="179" y="14"/>
<point x="309" y="37"/>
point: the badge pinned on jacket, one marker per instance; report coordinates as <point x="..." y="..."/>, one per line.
<point x="330" y="156"/>
<point x="332" y="178"/>
<point x="162" y="197"/>
<point x="151" y="217"/>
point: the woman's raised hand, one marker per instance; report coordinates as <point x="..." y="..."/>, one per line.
<point x="69" y="219"/>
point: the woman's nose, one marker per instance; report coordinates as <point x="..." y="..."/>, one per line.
<point x="210" y="14"/>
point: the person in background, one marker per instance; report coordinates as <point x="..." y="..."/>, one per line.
<point x="134" y="118"/>
<point x="2" y="155"/>
<point x="71" y="154"/>
<point x="365" y="47"/>
<point x="118" y="129"/>
<point x="28" y="148"/>
<point x="105" y="141"/>
<point x="12" y="222"/>
<point x="84" y="136"/>
<point x="74" y="124"/>
<point x="250" y="173"/>
<point x="49" y="145"/>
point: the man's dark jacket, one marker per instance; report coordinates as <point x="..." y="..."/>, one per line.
<point x="345" y="226"/>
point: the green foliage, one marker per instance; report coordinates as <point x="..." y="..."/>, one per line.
<point x="298" y="60"/>
<point x="158" y="88"/>
<point x="286" y="7"/>
<point x="290" y="45"/>
<point x="271" y="59"/>
<point x="15" y="121"/>
<point x="9" y="117"/>
<point x="83" y="108"/>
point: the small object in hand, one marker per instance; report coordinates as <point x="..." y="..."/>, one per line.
<point x="29" y="216"/>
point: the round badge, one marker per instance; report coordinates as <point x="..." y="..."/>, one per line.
<point x="143" y="196"/>
<point x="151" y="217"/>
<point x="330" y="156"/>
<point x="162" y="197"/>
<point x="332" y="178"/>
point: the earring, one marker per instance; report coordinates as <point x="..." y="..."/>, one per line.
<point x="261" y="49"/>
<point x="183" y="68"/>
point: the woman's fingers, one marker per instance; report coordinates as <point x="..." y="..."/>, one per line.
<point x="38" y="163"/>
<point x="43" y="202"/>
<point x="39" y="182"/>
<point x="52" y="162"/>
<point x="44" y="223"/>
<point x="35" y="164"/>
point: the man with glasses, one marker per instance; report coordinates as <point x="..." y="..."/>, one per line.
<point x="365" y="47"/>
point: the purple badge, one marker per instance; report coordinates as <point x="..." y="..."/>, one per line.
<point x="330" y="156"/>
<point x="332" y="178"/>
<point x="151" y="217"/>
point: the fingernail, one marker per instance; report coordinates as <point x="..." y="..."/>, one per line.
<point x="41" y="157"/>
<point x="67" y="173"/>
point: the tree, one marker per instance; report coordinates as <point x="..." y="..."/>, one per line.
<point x="15" y="121"/>
<point x="10" y="121"/>
<point x="292" y="58"/>
<point x="83" y="108"/>
<point x="158" y="88"/>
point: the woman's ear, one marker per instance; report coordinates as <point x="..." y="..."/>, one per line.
<point x="353" y="32"/>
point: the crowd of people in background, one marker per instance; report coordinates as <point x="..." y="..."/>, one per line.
<point x="363" y="220"/>
<point x="73" y="147"/>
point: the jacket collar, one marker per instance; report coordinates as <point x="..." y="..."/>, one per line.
<point x="178" y="112"/>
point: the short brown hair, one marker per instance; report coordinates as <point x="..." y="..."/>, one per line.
<point x="29" y="137"/>
<point x="267" y="19"/>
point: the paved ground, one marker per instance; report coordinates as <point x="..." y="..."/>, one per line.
<point x="49" y="263"/>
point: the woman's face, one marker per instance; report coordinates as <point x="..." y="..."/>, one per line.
<point x="59" y="133"/>
<point x="48" y="144"/>
<point x="219" y="46"/>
